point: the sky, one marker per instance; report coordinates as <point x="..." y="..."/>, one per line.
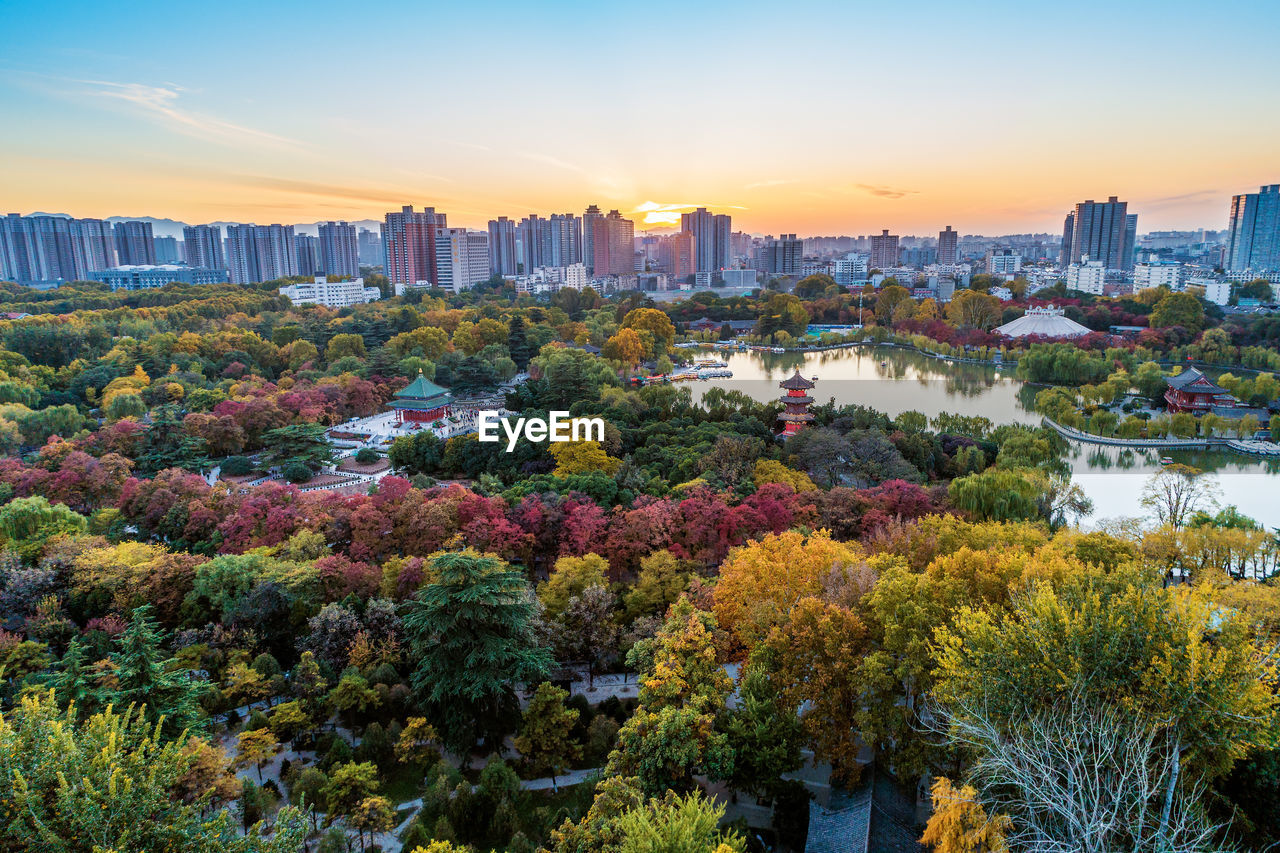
<point x="808" y="117"/>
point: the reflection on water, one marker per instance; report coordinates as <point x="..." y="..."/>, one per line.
<point x="893" y="381"/>
<point x="887" y="379"/>
<point x="1114" y="477"/>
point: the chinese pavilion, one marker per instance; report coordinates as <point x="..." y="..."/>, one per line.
<point x="1192" y="391"/>
<point x="421" y="401"/>
<point x="796" y="402"/>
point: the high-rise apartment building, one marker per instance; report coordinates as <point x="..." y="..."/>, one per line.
<point x="1253" y="242"/>
<point x="784" y="256"/>
<point x="529" y="237"/>
<point x="884" y="250"/>
<point x="613" y="244"/>
<point x="711" y="236"/>
<point x="308" y="251"/>
<point x="134" y="243"/>
<point x="1003" y="262"/>
<point x="462" y="257"/>
<point x="369" y="248"/>
<point x="203" y="246"/>
<point x="947" y="246"/>
<point x="339" y="254"/>
<point x="166" y="249"/>
<point x="589" y="217"/>
<point x="409" y="244"/>
<point x="503" y="259"/>
<point x="1100" y="231"/>
<point x="676" y="254"/>
<point x="261" y="252"/>
<point x="561" y="237"/>
<point x="54" y="248"/>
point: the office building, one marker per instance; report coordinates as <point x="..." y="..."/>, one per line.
<point x="149" y="276"/>
<point x="134" y="243"/>
<point x="784" y="256"/>
<point x="613" y="245"/>
<point x="711" y="237"/>
<point x="1002" y="262"/>
<point x="503" y="259"/>
<point x="1087" y="277"/>
<point x="676" y="254"/>
<point x="1102" y="232"/>
<point x="1253" y="241"/>
<point x="947" y="246"/>
<point x="261" y="252"/>
<point x="369" y="248"/>
<point x="308" y="251"/>
<point x="331" y="294"/>
<point x="884" y="250"/>
<point x="409" y="244"/>
<point x="202" y="245"/>
<point x="462" y="258"/>
<point x="588" y="231"/>
<point x="339" y="254"/>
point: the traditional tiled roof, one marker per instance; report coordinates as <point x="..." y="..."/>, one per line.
<point x="1194" y="382"/>
<point x="421" y="388"/>
<point x="842" y="827"/>
<point x="796" y="382"/>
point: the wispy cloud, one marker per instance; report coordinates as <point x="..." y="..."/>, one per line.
<point x="885" y="192"/>
<point x="1183" y="197"/>
<point x="539" y="157"/>
<point x="312" y="188"/>
<point x="162" y="103"/>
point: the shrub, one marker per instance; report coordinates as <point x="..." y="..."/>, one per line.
<point x="367" y="456"/>
<point x="297" y="472"/>
<point x="237" y="466"/>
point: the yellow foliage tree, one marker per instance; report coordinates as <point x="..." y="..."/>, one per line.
<point x="582" y="457"/>
<point x="761" y="581"/>
<point x="959" y="823"/>
<point x="772" y="471"/>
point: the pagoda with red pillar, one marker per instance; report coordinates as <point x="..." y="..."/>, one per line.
<point x="795" y="412"/>
<point x="421" y="402"/>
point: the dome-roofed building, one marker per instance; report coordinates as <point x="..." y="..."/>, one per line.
<point x="1046" y="322"/>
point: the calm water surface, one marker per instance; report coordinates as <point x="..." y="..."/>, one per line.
<point x="894" y="380"/>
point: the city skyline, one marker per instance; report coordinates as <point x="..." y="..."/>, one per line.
<point x="122" y="118"/>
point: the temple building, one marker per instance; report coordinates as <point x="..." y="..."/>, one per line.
<point x="795" y="413"/>
<point x="421" y="401"/>
<point x="1192" y="391"/>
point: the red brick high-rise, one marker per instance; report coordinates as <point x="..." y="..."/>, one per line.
<point x="409" y="245"/>
<point x="613" y="245"/>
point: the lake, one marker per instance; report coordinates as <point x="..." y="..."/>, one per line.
<point x="894" y="380"/>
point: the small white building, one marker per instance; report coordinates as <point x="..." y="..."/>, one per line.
<point x="740" y="278"/>
<point x="331" y="294"/>
<point x="1003" y="262"/>
<point x="1089" y="277"/>
<point x="1217" y="291"/>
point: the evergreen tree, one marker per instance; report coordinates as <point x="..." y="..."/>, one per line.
<point x="518" y="342"/>
<point x="73" y="680"/>
<point x="545" y="741"/>
<point x="143" y="677"/>
<point x="471" y="632"/>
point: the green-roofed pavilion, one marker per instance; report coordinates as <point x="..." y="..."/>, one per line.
<point x="421" y="401"/>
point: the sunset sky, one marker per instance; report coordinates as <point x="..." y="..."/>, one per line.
<point x="817" y="118"/>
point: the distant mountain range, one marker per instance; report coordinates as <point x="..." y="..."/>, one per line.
<point x="173" y="227"/>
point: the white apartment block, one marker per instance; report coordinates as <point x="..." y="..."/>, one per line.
<point x="1217" y="291"/>
<point x="740" y="278"/>
<point x="1157" y="275"/>
<point x="462" y="258"/>
<point x="1089" y="277"/>
<point x="331" y="294"/>
<point x="575" y="276"/>
<point x="1003" y="262"/>
<point x="906" y="276"/>
<point x="850" y="268"/>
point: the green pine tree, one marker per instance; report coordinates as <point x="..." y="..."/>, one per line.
<point x="143" y="677"/>
<point x="471" y="632"/>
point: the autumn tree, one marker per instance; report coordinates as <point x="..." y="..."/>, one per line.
<point x="255" y="747"/>
<point x="960" y="824"/>
<point x="1176" y="492"/>
<point x="545" y="741"/>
